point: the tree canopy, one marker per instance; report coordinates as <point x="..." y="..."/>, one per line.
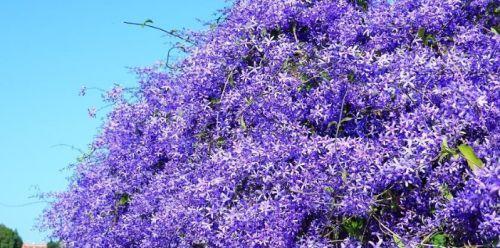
<point x="53" y="244"/>
<point x="9" y="238"/>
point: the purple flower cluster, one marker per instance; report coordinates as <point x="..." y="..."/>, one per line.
<point x="304" y="123"/>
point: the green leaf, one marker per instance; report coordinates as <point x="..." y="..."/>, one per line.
<point x="263" y="32"/>
<point x="325" y="75"/>
<point x="446" y="151"/>
<point x="353" y="226"/>
<point x="214" y="101"/>
<point x="304" y="78"/>
<point x="310" y="126"/>
<point x="249" y="101"/>
<point x="398" y="241"/>
<point x="362" y="3"/>
<point x="328" y="189"/>
<point x="220" y="141"/>
<point x="344" y="175"/>
<point x="290" y="67"/>
<point x="146" y="22"/>
<point x="308" y="84"/>
<point x="124" y="200"/>
<point x="428" y="39"/>
<point x="468" y="153"/>
<point x="444" y="145"/>
<point x="421" y="33"/>
<point x="446" y="192"/>
<point x="243" y="124"/>
<point x="351" y="77"/>
<point x="332" y="123"/>
<point x="495" y="29"/>
<point x="231" y="79"/>
<point x="345" y="119"/>
<point x="433" y="210"/>
<point x="439" y="240"/>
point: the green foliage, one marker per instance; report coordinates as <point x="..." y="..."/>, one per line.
<point x="398" y="241"/>
<point x="124" y="199"/>
<point x="439" y="240"/>
<point x="354" y="226"/>
<point x="344" y="176"/>
<point x="9" y="238"/>
<point x="427" y="38"/>
<point x="329" y="189"/>
<point x="351" y="77"/>
<point x="213" y="101"/>
<point x="495" y="29"/>
<point x="308" y="83"/>
<point x="334" y="123"/>
<point x="465" y="151"/>
<point x="230" y="79"/>
<point x="446" y="192"/>
<point x="243" y="124"/>
<point x="249" y="101"/>
<point x="363" y="4"/>
<point x="310" y="126"/>
<point x="220" y="142"/>
<point x="326" y="76"/>
<point x="446" y="151"/>
<point x="468" y="153"/>
<point x="53" y="244"/>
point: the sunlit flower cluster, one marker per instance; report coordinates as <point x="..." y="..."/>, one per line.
<point x="304" y="123"/>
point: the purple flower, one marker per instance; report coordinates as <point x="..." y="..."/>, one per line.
<point x="92" y="111"/>
<point x="114" y="94"/>
<point x="83" y="91"/>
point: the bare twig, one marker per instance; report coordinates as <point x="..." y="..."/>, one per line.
<point x="221" y="97"/>
<point x="340" y="115"/>
<point x="386" y="228"/>
<point x="69" y="146"/>
<point x="294" y="30"/>
<point x="177" y="46"/>
<point x="22" y="205"/>
<point x="366" y="225"/>
<point x="172" y="33"/>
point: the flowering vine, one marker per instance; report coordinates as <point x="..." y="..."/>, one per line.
<point x="304" y="123"/>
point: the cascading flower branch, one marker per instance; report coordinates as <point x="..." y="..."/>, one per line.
<point x="304" y="123"/>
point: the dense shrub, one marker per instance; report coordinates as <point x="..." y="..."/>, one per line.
<point x="9" y="238"/>
<point x="53" y="244"/>
<point x="311" y="123"/>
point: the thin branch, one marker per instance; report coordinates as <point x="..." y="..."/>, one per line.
<point x="386" y="228"/>
<point x="21" y="205"/>
<point x="340" y="115"/>
<point x="294" y="30"/>
<point x="366" y="225"/>
<point x="167" y="63"/>
<point x="427" y="237"/>
<point x="96" y="88"/>
<point x="221" y="97"/>
<point x="69" y="146"/>
<point x="172" y="33"/>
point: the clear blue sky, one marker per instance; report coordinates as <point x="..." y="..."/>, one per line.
<point x="48" y="49"/>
